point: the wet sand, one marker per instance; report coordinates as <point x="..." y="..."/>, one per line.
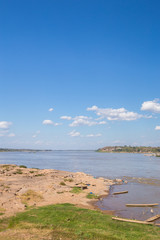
<point x="21" y="188"/>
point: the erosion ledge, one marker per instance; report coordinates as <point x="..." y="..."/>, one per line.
<point x="22" y="188"/>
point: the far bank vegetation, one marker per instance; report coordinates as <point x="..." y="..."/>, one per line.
<point x="130" y="149"/>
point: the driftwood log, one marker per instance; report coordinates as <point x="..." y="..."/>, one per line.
<point x="134" y="221"/>
<point x="142" y="205"/>
<point x="115" y="193"/>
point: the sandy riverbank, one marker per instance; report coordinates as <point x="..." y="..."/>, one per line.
<point x="25" y="187"/>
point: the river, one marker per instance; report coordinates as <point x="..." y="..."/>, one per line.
<point x="141" y="172"/>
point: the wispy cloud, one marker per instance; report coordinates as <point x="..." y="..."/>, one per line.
<point x="84" y="120"/>
<point x="5" y="124"/>
<point x="74" y="134"/>
<point x="50" y="109"/>
<point x="94" y="135"/>
<point x="151" y="106"/>
<point x="4" y="129"/>
<point x="50" y="122"/>
<point x="119" y="114"/>
<point x="66" y="117"/>
<point x="157" y="128"/>
<point x="36" y="134"/>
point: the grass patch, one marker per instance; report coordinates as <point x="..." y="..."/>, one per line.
<point x="6" y="166"/>
<point x="76" y="190"/>
<point x="92" y="196"/>
<point x="68" y="222"/>
<point x="22" y="166"/>
<point x="68" y="180"/>
<point x="31" y="171"/>
<point x="62" y="184"/>
<point x="30" y="197"/>
<point x="18" y="171"/>
<point x="2" y="211"/>
<point x="39" y="175"/>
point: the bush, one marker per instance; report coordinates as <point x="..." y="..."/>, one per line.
<point x="22" y="166"/>
<point x="62" y="184"/>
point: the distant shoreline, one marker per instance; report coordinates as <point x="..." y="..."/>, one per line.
<point x="22" y="150"/>
<point x="149" y="151"/>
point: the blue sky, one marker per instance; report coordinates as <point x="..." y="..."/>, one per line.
<point x="96" y="63"/>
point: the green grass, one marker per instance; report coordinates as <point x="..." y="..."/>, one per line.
<point x="62" y="183"/>
<point x="92" y="196"/>
<point x="39" y="175"/>
<point x="69" y="222"/>
<point x="22" y="166"/>
<point x="30" y="196"/>
<point x="76" y="190"/>
<point x="18" y="171"/>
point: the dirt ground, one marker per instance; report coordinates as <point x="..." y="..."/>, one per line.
<point x="23" y="187"/>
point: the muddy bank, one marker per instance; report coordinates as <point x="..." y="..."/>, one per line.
<point x="21" y="188"/>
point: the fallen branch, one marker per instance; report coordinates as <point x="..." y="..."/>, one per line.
<point x="132" y="221"/>
<point x="120" y="192"/>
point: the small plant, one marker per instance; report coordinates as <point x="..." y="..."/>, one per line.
<point x="6" y="166"/>
<point x="62" y="184"/>
<point x="22" y="166"/>
<point x="76" y="190"/>
<point x="68" y="180"/>
<point x="31" y="171"/>
<point x="19" y="171"/>
<point x="2" y="210"/>
<point x="30" y="196"/>
<point x="92" y="196"/>
<point x="39" y="175"/>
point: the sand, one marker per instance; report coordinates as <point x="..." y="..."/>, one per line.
<point x="21" y="188"/>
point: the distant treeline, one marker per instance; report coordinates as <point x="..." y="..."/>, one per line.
<point x="130" y="149"/>
<point x="21" y="150"/>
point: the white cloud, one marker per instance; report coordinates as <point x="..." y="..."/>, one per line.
<point x="66" y="117"/>
<point x="94" y="135"/>
<point x="74" y="134"/>
<point x="93" y="108"/>
<point x="157" y="128"/>
<point x="120" y="114"/>
<point x="5" y="124"/>
<point x="50" y="122"/>
<point x="51" y="109"/>
<point x="152" y="106"/>
<point x="11" y="135"/>
<point x="84" y="120"/>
